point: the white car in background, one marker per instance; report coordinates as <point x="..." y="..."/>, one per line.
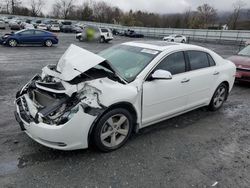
<point x="28" y="26"/>
<point x="100" y="33"/>
<point x="102" y="98"/>
<point x="42" y="26"/>
<point x="54" y="27"/>
<point x="175" y="38"/>
<point x="2" y="24"/>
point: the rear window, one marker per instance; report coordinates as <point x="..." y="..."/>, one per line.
<point x="104" y="30"/>
<point x="198" y="60"/>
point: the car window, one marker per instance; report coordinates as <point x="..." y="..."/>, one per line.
<point x="211" y="60"/>
<point x="28" y="32"/>
<point x="174" y="63"/>
<point x="197" y="60"/>
<point x="39" y="32"/>
<point x="104" y="30"/>
<point x="128" y="61"/>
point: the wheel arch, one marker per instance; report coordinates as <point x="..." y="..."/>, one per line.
<point x="18" y="42"/>
<point x="125" y="105"/>
<point x="228" y="87"/>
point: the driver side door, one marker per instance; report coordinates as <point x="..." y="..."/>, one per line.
<point x="163" y="98"/>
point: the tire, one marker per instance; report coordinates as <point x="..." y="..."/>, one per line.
<point x="12" y="42"/>
<point x="219" y="97"/>
<point x="172" y="40"/>
<point x="48" y="43"/>
<point x="102" y="40"/>
<point x="183" y="41"/>
<point x="108" y="134"/>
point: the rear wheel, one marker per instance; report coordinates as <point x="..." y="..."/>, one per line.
<point x="219" y="97"/>
<point x="112" y="130"/>
<point x="12" y="43"/>
<point x="48" y="43"/>
<point x="183" y="41"/>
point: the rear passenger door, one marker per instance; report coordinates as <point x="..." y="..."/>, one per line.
<point x="39" y="36"/>
<point x="201" y="77"/>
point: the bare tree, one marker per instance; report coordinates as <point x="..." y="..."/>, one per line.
<point x="36" y="7"/>
<point x="238" y="5"/>
<point x="207" y="14"/>
<point x="14" y="4"/>
<point x="62" y="8"/>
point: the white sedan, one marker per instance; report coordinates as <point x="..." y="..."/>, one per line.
<point x="42" y="26"/>
<point x="175" y="38"/>
<point x="103" y="98"/>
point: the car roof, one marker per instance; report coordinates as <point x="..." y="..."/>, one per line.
<point x="163" y="45"/>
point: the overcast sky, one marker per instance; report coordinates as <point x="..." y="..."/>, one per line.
<point x="159" y="6"/>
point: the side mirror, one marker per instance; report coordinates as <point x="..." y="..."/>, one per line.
<point x="161" y="74"/>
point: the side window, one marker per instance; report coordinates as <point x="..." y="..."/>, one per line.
<point x="28" y="32"/>
<point x="211" y="60"/>
<point x="39" y="32"/>
<point x="198" y="60"/>
<point x="174" y="63"/>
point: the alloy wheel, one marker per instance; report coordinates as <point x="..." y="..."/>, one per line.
<point x="12" y="42"/>
<point x="220" y="97"/>
<point x="115" y="130"/>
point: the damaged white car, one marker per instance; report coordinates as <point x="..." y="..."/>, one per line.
<point x="101" y="99"/>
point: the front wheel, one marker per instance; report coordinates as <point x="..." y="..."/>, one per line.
<point x="48" y="43"/>
<point x="112" y="130"/>
<point x="102" y="40"/>
<point x="219" y="97"/>
<point x="12" y="43"/>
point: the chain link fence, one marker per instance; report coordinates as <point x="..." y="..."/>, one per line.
<point x="219" y="36"/>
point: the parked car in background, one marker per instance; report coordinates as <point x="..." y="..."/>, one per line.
<point x="29" y="36"/>
<point x="2" y="24"/>
<point x="28" y="26"/>
<point x="66" y="27"/>
<point x="115" y="32"/>
<point x="133" y="34"/>
<point x="102" y="98"/>
<point x="14" y="25"/>
<point x="175" y="38"/>
<point x="54" y="27"/>
<point x="42" y="26"/>
<point x="242" y="62"/>
<point x="100" y="34"/>
<point x="77" y="29"/>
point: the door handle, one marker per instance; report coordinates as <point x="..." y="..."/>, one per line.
<point x="216" y="73"/>
<point x="185" y="80"/>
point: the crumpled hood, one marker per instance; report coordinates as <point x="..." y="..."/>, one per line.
<point x="75" y="61"/>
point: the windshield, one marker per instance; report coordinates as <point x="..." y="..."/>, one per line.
<point x="128" y="61"/>
<point x="245" y="51"/>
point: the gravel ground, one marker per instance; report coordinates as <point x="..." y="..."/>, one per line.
<point x="197" y="149"/>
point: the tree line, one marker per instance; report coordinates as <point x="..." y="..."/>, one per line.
<point x="205" y="15"/>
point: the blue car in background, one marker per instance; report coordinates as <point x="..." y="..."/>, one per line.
<point x="29" y="36"/>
